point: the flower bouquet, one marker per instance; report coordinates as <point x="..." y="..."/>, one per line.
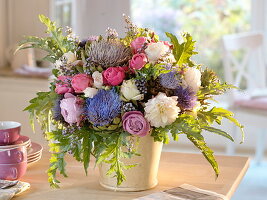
<point x="108" y="93"/>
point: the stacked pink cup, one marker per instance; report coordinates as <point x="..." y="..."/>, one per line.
<point x="13" y="151"/>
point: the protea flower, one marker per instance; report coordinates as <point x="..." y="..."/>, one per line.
<point x="108" y="53"/>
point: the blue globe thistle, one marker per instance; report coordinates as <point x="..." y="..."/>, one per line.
<point x="103" y="107"/>
<point x="170" y="80"/>
<point x="57" y="110"/>
<point x="186" y="98"/>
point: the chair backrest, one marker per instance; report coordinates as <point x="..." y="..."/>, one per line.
<point x="250" y="69"/>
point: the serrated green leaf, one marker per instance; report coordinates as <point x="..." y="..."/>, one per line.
<point x="218" y="131"/>
<point x="87" y="147"/>
<point x="206" y="151"/>
<point x="183" y="51"/>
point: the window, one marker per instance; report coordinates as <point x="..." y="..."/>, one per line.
<point x="63" y="12"/>
<point x="206" y="20"/>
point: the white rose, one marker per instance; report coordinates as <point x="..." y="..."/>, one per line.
<point x="192" y="79"/>
<point x="155" y="51"/>
<point x="70" y="57"/>
<point x="98" y="79"/>
<point x="161" y="110"/>
<point x="129" y="91"/>
<point x="90" y="92"/>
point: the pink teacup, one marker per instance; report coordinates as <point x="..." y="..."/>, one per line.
<point x="13" y="171"/>
<point x="13" y="155"/>
<point x="9" y="132"/>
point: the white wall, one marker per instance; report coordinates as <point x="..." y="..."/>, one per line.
<point x="94" y="17"/>
<point x="23" y="21"/>
<point x="3" y="32"/>
<point x="15" y="94"/>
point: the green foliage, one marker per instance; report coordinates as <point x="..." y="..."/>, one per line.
<point x="106" y="146"/>
<point x="55" y="45"/>
<point x="211" y="86"/>
<point x="206" y="151"/>
<point x="216" y="115"/>
<point x="151" y="71"/>
<point x="40" y="107"/>
<point x="183" y="51"/>
<point x="193" y="127"/>
<point x="113" y="153"/>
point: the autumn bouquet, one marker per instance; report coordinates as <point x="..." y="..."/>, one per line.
<point x="107" y="90"/>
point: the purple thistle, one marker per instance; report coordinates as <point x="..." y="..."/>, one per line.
<point x="186" y="98"/>
<point x="57" y="110"/>
<point x="170" y="80"/>
<point x="103" y="107"/>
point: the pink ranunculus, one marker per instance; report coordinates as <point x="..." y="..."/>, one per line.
<point x="71" y="108"/>
<point x="63" y="85"/>
<point x="80" y="82"/>
<point x="138" y="61"/>
<point x="134" y="123"/>
<point x="114" y="75"/>
<point x="138" y="43"/>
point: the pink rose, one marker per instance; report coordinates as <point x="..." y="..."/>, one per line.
<point x="134" y="123"/>
<point x="71" y="108"/>
<point x="138" y="61"/>
<point x="80" y="82"/>
<point x="138" y="43"/>
<point x="63" y="85"/>
<point x="114" y="75"/>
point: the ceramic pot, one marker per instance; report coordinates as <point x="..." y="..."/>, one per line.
<point x="141" y="177"/>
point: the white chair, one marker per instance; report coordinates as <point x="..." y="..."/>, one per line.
<point x="249" y="73"/>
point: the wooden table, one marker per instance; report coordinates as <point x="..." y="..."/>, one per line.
<point x="175" y="169"/>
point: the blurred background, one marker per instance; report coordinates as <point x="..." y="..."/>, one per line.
<point x="223" y="29"/>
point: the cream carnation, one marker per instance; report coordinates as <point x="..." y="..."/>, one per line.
<point x="70" y="57"/>
<point x="129" y="91"/>
<point x="192" y="79"/>
<point x="90" y="92"/>
<point x="98" y="79"/>
<point x="155" y="51"/>
<point x="161" y="110"/>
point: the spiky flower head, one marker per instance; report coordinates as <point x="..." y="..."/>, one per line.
<point x="170" y="80"/>
<point x="186" y="98"/>
<point x="103" y="107"/>
<point x="108" y="53"/>
<point x="57" y="110"/>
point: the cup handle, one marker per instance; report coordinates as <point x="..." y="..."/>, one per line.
<point x="14" y="173"/>
<point x="19" y="156"/>
<point x="6" y="137"/>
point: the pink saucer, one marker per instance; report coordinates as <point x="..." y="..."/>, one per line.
<point x="23" y="140"/>
<point x="35" y="149"/>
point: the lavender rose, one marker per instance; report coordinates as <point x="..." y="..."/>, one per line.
<point x="71" y="108"/>
<point x="135" y="123"/>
